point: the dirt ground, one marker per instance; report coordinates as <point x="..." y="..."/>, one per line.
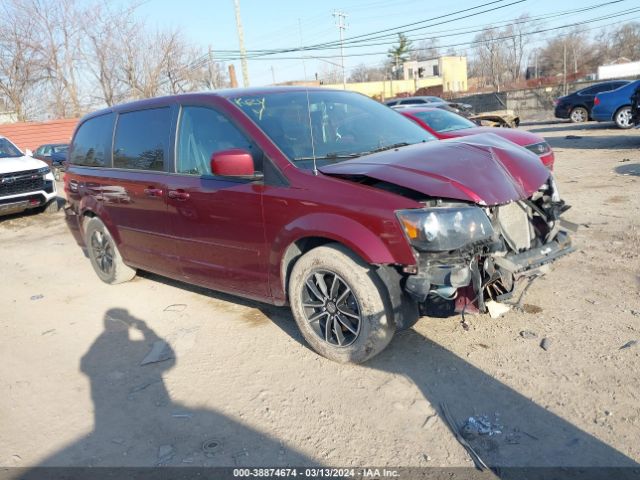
<point x="243" y="389"/>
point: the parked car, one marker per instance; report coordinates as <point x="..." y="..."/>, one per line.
<point x="444" y="124"/>
<point x="323" y="200"/>
<point x="615" y="105"/>
<point x="25" y="182"/>
<point x="635" y="107"/>
<point x="59" y="158"/>
<point x="577" y="106"/>
<point x="431" y="101"/>
<point x="49" y="150"/>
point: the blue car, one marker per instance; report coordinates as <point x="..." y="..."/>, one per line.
<point x="615" y="105"/>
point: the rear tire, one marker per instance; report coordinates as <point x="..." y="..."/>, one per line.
<point x="579" y="115"/>
<point x="104" y="254"/>
<point x="623" y="118"/>
<point x="340" y="305"/>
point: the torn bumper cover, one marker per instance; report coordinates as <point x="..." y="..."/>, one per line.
<point x="444" y="279"/>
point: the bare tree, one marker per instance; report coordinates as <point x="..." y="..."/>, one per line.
<point x="364" y="73"/>
<point x="58" y="46"/>
<point x="20" y="65"/>
<point x="625" y="41"/>
<point x="426" y="49"/>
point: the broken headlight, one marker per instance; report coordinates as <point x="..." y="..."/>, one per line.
<point x="445" y="228"/>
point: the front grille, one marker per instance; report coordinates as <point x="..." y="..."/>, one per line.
<point x="515" y="226"/>
<point x="21" y="182"/>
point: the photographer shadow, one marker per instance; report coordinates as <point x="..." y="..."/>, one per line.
<point x="137" y="424"/>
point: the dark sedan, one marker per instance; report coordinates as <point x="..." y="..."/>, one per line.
<point x="52" y="153"/>
<point x="577" y="106"/>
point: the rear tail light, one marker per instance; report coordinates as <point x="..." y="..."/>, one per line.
<point x="596" y="101"/>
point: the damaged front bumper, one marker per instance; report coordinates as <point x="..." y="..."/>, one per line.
<point x="528" y="234"/>
<point x="521" y="263"/>
<point x="487" y="276"/>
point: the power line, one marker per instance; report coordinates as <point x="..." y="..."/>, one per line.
<point x="476" y="42"/>
<point x="456" y="32"/>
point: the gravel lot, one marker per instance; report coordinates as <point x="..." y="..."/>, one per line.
<point x="242" y="389"/>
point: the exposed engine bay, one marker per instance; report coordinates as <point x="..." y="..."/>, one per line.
<point x="526" y="236"/>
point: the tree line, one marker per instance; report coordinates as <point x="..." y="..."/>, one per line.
<point x="60" y="58"/>
<point x="501" y="56"/>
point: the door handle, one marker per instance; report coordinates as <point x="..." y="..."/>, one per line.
<point x="153" y="192"/>
<point x="178" y="194"/>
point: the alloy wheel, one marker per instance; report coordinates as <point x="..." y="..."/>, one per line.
<point x="624" y="118"/>
<point x="331" y="308"/>
<point x="578" y="115"/>
<point x="103" y="251"/>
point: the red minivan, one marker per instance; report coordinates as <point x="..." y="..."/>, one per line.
<point x="323" y="200"/>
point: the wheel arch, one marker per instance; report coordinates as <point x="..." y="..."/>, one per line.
<point x="307" y="233"/>
<point x="90" y="208"/>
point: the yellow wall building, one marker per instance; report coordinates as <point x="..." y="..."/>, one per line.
<point x="451" y="73"/>
<point x="388" y="88"/>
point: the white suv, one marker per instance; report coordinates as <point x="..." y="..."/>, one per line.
<point x="24" y="181"/>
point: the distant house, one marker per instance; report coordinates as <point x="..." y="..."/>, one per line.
<point x="30" y="135"/>
<point x="451" y="70"/>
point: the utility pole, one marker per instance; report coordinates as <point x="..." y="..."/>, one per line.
<point x="564" y="66"/>
<point x="273" y="75"/>
<point x="243" y="52"/>
<point x="340" y="18"/>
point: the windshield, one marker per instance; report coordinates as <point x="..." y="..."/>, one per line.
<point x="444" y="120"/>
<point x="8" y="149"/>
<point x="330" y="126"/>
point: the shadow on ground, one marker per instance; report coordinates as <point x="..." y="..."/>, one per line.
<point x="630" y="141"/>
<point x="136" y="423"/>
<point x="159" y="431"/>
<point x="632" y="169"/>
<point x="549" y="127"/>
<point x="531" y="434"/>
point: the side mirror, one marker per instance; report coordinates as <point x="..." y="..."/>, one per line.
<point x="28" y="153"/>
<point x="234" y="162"/>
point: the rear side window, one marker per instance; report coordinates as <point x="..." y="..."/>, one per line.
<point x="92" y="143"/>
<point x="415" y="101"/>
<point x="142" y="139"/>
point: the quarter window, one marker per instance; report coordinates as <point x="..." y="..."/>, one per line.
<point x="92" y="143"/>
<point x="203" y="132"/>
<point x="142" y="139"/>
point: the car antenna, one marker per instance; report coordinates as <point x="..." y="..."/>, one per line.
<point x="313" y="148"/>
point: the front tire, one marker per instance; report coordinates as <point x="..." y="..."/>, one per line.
<point x="623" y="118"/>
<point x="579" y="115"/>
<point x="104" y="254"/>
<point x="340" y="305"/>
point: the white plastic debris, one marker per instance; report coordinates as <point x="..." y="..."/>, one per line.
<point x="497" y="309"/>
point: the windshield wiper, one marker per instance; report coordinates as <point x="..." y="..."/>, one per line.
<point x="329" y="156"/>
<point x="389" y="147"/>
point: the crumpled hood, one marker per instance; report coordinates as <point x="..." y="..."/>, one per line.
<point x="519" y="137"/>
<point x="20" y="164"/>
<point x="483" y="169"/>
